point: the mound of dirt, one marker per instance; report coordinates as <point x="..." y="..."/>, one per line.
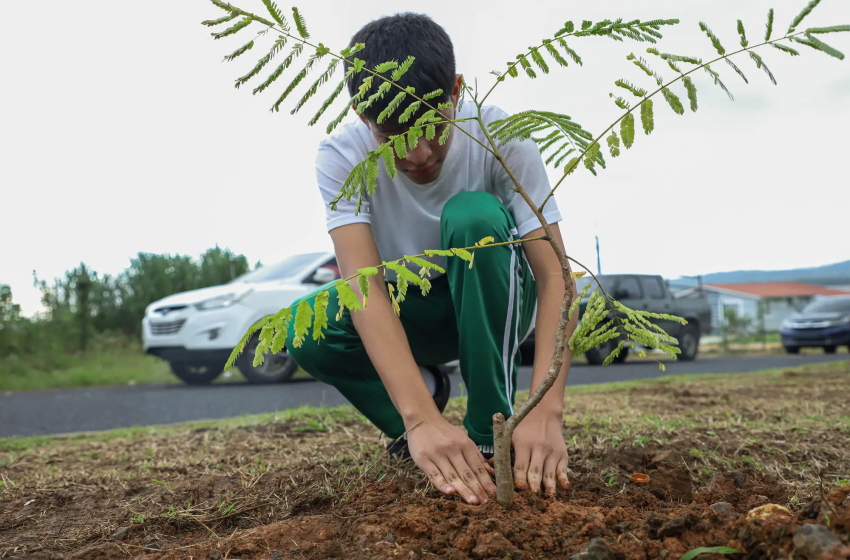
<point x="590" y="522"/>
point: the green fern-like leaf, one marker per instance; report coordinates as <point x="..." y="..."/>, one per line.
<point x="223" y="19"/>
<point x="391" y="108"/>
<point x="438" y="253"/>
<point x="224" y="6"/>
<point x="463" y="253"/>
<point x="240" y="51"/>
<point x="527" y="67"/>
<point x="642" y="64"/>
<point x="320" y="305"/>
<point x="413" y="136"/>
<point x="363" y="286"/>
<point x="785" y="49"/>
<point x="673" y="101"/>
<point x="760" y="64"/>
<point x="297" y="48"/>
<point x="311" y="91"/>
<point x="769" y="25"/>
<point x="737" y="70"/>
<point x="831" y="29"/>
<point x="386" y="66"/>
<point x="636" y="91"/>
<point x="539" y="61"/>
<point x="627" y="130"/>
<point x="400" y="145"/>
<point x="818" y="45"/>
<point x="389" y="160"/>
<point x="238" y="26"/>
<point x="379" y="94"/>
<point x="303" y="320"/>
<point x="297" y="80"/>
<point x="240" y="347"/>
<point x="346" y="296"/>
<point x="275" y="13"/>
<point x="646" y="118"/>
<point x="444" y="136"/>
<point x="714" y="40"/>
<point x="614" y="144"/>
<point x="743" y="34"/>
<point x="300" y="24"/>
<point x="717" y="81"/>
<point x="574" y="55"/>
<point x="335" y="123"/>
<point x="430" y="132"/>
<point x="692" y="92"/>
<point x="261" y="63"/>
<point x="426" y="265"/>
<point x="806" y="11"/>
<point x="403" y="68"/>
<point x="404" y="276"/>
<point x="372" y="173"/>
<point x="328" y="102"/>
<point x="432" y="95"/>
<point x="554" y="53"/>
<point x="409" y="111"/>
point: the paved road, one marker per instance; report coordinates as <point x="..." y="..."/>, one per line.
<point x="102" y="408"/>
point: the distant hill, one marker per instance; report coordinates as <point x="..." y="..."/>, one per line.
<point x="836" y="274"/>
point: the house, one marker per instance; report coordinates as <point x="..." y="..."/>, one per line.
<point x="777" y="299"/>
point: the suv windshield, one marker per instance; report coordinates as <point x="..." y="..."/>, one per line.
<point x="607" y="283"/>
<point x="293" y="266"/>
<point x="834" y="304"/>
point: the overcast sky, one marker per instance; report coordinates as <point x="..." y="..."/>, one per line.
<point x="121" y="132"/>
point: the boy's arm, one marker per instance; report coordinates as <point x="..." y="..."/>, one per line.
<point x="442" y="450"/>
<point x="541" y="452"/>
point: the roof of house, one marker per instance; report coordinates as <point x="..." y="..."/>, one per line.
<point x="777" y="289"/>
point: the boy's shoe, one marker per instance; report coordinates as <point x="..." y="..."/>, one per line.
<point x="442" y="392"/>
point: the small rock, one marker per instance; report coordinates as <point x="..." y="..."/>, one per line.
<point x="812" y="509"/>
<point x="596" y="549"/>
<point x="490" y="545"/>
<point x="516" y="554"/>
<point x="813" y="540"/>
<point x="152" y="546"/>
<point x="491" y="524"/>
<point x="672" y="528"/>
<point x="214" y="555"/>
<point x="765" y="511"/>
<point x="622" y="527"/>
<point x="664" y="554"/>
<point x="739" y="478"/>
<point x="722" y="508"/>
<point x="120" y="534"/>
<point x="390" y="538"/>
<point x="293" y="549"/>
<point x="275" y="554"/>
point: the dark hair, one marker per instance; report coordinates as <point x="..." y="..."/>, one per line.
<point x="395" y="38"/>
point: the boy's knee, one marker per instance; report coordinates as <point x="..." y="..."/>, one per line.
<point x="475" y="212"/>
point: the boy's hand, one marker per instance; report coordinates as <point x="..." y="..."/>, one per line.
<point x="540" y="451"/>
<point x="451" y="460"/>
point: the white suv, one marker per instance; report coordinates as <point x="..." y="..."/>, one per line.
<point x="196" y="331"/>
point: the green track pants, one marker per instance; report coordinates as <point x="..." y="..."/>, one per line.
<point x="477" y="315"/>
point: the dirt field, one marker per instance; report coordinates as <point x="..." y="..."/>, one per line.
<point x="312" y="483"/>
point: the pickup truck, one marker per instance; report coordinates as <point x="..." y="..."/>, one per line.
<point x="648" y="293"/>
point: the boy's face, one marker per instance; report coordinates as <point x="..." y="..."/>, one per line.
<point x="424" y="163"/>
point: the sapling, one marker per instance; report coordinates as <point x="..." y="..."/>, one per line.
<point x="557" y="135"/>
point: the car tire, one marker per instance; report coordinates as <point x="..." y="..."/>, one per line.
<point x="689" y="343"/>
<point x="792" y="349"/>
<point x="277" y="368"/>
<point x="829" y="349"/>
<point x="197" y="372"/>
<point x="622" y="356"/>
<point x="596" y="355"/>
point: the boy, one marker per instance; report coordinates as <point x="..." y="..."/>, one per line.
<point x="443" y="196"/>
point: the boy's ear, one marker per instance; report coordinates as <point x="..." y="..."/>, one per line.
<point x="456" y="89"/>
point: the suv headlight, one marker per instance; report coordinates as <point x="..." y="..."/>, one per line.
<point x="222" y="301"/>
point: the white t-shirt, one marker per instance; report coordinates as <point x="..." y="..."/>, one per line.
<point x="405" y="217"/>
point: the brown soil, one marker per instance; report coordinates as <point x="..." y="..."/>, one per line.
<point x="317" y="487"/>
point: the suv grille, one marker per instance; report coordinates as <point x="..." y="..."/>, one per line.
<point x="171" y="327"/>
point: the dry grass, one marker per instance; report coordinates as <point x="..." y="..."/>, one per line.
<point x="181" y="485"/>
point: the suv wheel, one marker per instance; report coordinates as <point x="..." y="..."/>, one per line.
<point x="276" y="368"/>
<point x="689" y="343"/>
<point x="197" y="372"/>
